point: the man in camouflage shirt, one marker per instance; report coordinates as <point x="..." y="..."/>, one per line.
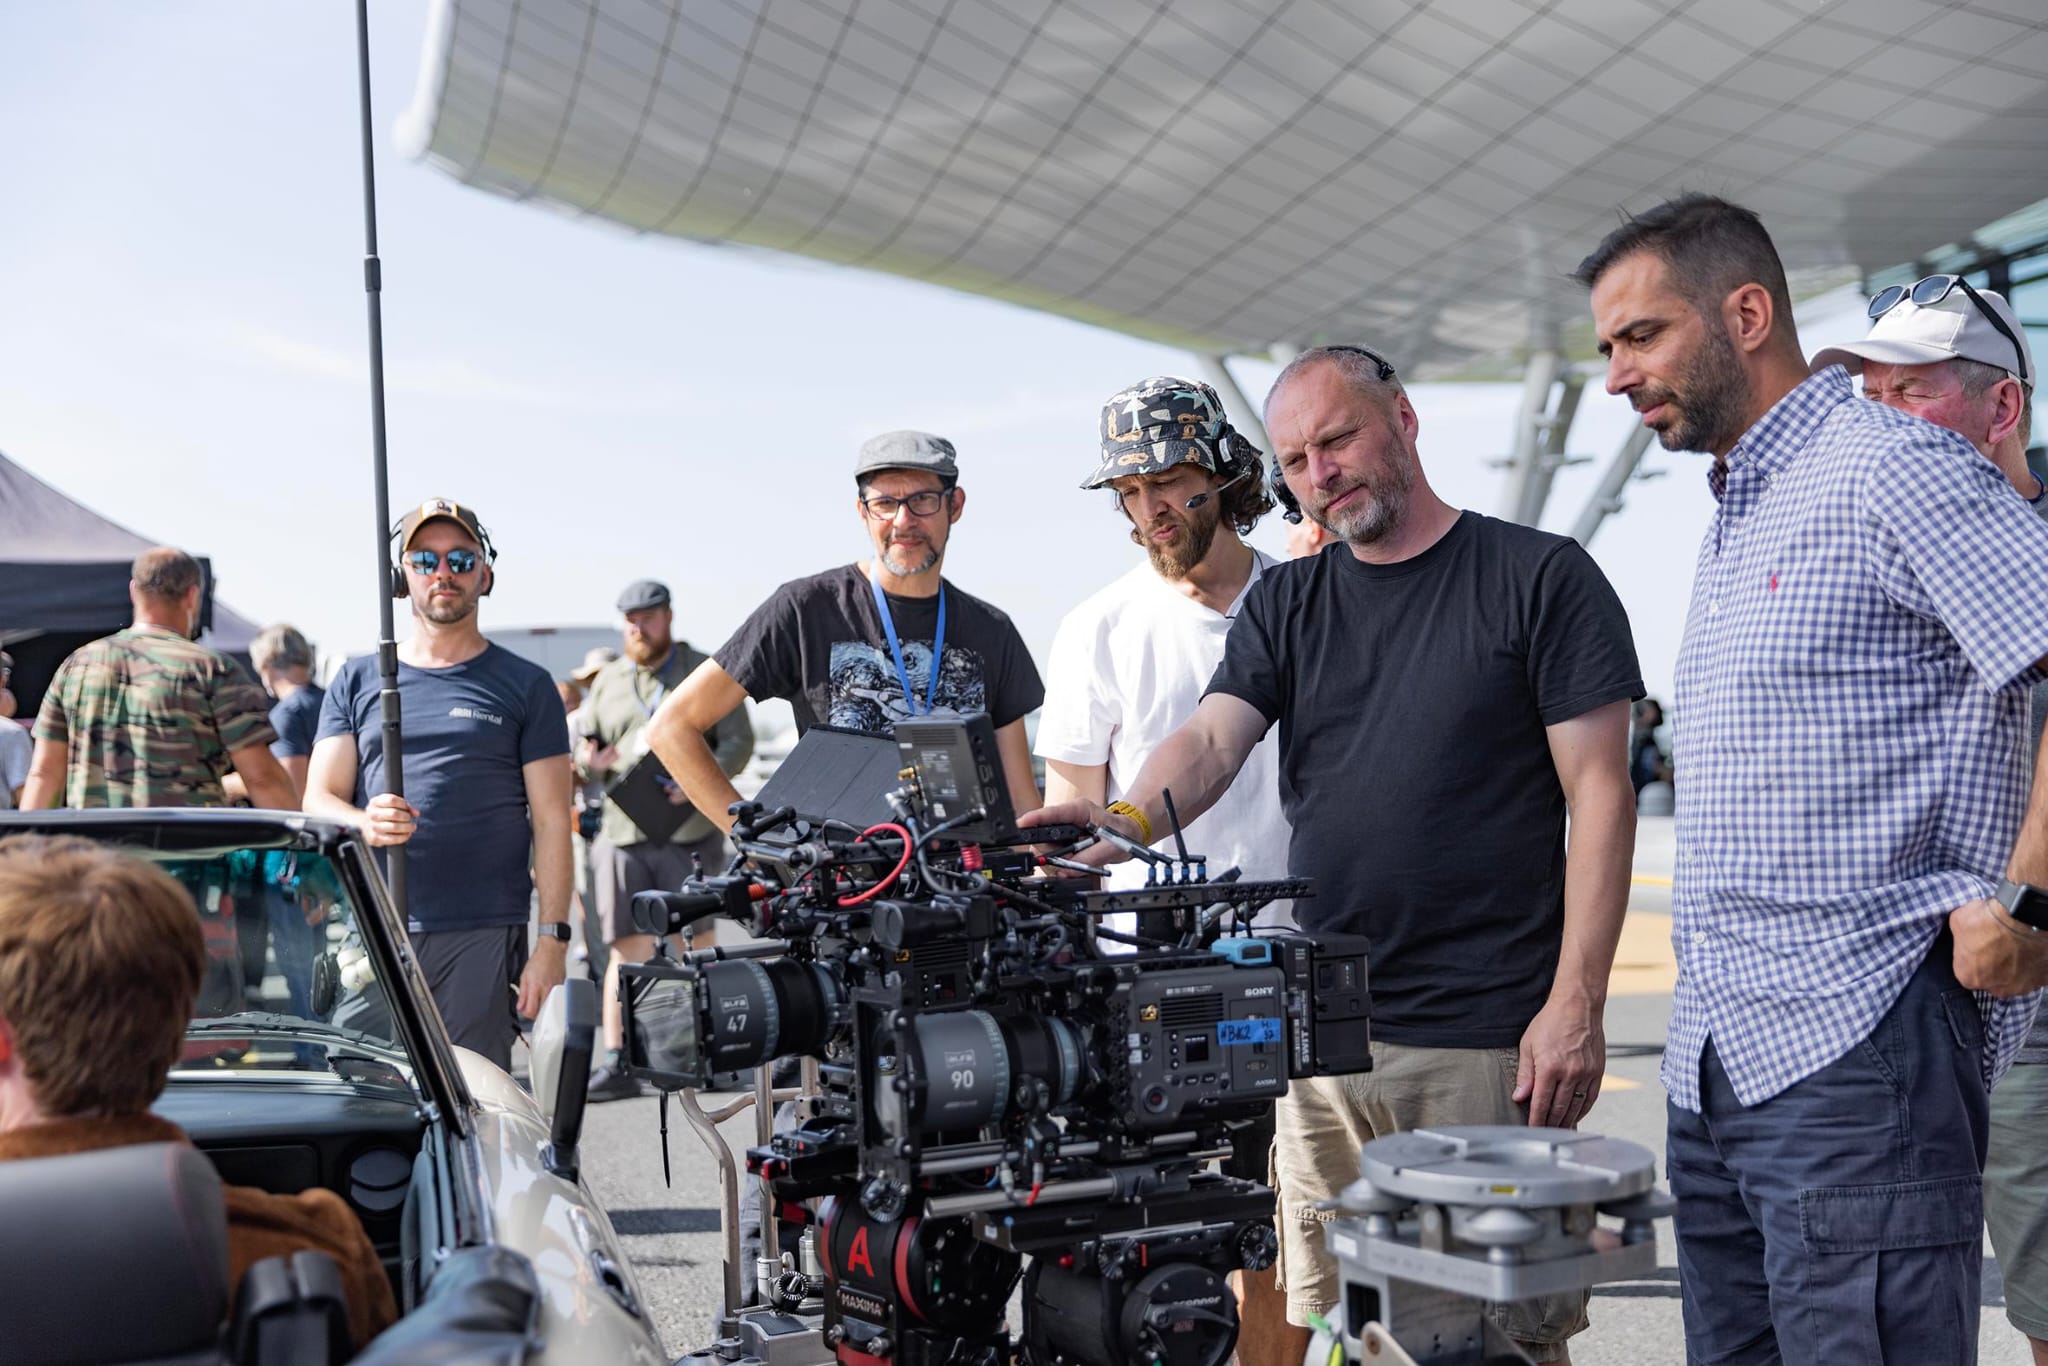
<point x="147" y="717"/>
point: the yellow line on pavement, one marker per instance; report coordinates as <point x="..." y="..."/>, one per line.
<point x="1650" y="880"/>
<point x="1643" y="963"/>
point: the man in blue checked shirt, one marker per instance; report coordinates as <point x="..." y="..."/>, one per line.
<point x="1851" y="720"/>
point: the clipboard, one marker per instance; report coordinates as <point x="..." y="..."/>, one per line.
<point x="640" y="794"/>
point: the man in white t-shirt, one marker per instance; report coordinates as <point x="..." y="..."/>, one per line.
<point x="1129" y="665"/>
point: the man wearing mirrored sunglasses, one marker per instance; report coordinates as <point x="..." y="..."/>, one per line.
<point x="1957" y="357"/>
<point x="487" y="780"/>
<point x="867" y="645"/>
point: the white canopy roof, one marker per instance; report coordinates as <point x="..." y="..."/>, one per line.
<point x="1228" y="174"/>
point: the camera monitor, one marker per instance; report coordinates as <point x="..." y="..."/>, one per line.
<point x="958" y="771"/>
<point x="846" y="776"/>
<point x="834" y="774"/>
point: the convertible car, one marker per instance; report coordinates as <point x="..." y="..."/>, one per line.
<point x="316" y="1058"/>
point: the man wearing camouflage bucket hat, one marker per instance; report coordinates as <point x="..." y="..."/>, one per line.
<point x="1129" y="664"/>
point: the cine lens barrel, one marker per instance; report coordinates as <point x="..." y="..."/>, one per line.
<point x="756" y="1010"/>
<point x="970" y="1065"/>
<point x="687" y="1028"/>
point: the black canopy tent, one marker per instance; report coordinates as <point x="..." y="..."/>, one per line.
<point x="64" y="581"/>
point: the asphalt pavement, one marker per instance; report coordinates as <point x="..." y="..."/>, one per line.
<point x="671" y="1233"/>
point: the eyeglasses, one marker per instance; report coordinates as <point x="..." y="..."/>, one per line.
<point x="425" y="562"/>
<point x="1932" y="290"/>
<point x="923" y="503"/>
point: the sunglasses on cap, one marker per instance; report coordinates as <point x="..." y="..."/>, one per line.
<point x="1931" y="290"/>
<point x="424" y="562"/>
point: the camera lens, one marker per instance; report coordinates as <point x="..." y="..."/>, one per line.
<point x="969" y="1063"/>
<point x="757" y="1010"/>
<point x="730" y="1016"/>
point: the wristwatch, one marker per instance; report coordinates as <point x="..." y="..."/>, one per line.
<point x="2028" y="905"/>
<point x="558" y="930"/>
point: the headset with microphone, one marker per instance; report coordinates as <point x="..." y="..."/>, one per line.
<point x="1243" y="453"/>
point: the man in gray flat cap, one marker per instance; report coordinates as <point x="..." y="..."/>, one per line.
<point x="869" y="644"/>
<point x="628" y="856"/>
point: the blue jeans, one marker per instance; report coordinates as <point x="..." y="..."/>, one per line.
<point x="1841" y="1220"/>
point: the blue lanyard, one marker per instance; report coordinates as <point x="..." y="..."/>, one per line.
<point x="895" y="648"/>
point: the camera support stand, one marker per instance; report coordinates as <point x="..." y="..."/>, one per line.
<point x="758" y="1335"/>
<point x="1443" y="1222"/>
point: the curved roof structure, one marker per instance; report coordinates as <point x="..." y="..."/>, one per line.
<point x="1225" y="175"/>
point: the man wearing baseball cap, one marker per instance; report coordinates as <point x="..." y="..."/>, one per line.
<point x="1129" y="664"/>
<point x="626" y="859"/>
<point x="1960" y="360"/>
<point x="868" y="644"/>
<point x="487" y="779"/>
<point x="1957" y="356"/>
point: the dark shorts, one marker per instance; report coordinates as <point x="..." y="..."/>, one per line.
<point x="474" y="977"/>
<point x="1841" y="1220"/>
<point x="617" y="871"/>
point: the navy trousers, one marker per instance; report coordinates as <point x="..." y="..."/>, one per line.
<point x="1841" y="1220"/>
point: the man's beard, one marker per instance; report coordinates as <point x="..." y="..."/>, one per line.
<point x="1383" y="507"/>
<point x="645" y="649"/>
<point x="445" y="611"/>
<point x="931" y="557"/>
<point x="1712" y="397"/>
<point x="1197" y="534"/>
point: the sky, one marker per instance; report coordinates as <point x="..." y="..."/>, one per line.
<point x="183" y="343"/>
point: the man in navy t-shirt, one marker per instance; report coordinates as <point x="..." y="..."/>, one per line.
<point x="487" y="773"/>
<point x="284" y="665"/>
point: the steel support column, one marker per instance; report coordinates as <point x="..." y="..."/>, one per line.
<point x="1606" y="499"/>
<point x="1216" y="370"/>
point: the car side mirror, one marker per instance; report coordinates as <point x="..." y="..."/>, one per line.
<point x="564" y="1040"/>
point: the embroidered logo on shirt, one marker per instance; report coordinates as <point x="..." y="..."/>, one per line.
<point x="1774" y="583"/>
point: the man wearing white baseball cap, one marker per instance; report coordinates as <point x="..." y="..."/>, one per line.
<point x="1957" y="356"/>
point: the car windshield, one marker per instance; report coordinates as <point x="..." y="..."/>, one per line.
<point x="290" y="984"/>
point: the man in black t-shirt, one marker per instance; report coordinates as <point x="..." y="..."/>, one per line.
<point x="866" y="645"/>
<point x="1448" y="688"/>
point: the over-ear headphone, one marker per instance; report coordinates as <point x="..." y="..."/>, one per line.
<point x="401" y="590"/>
<point x="1290" y="508"/>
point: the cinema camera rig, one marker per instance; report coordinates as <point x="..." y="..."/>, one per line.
<point x="1001" y="1078"/>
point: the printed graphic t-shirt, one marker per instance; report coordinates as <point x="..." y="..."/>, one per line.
<point x="819" y="643"/>
<point x="470" y="731"/>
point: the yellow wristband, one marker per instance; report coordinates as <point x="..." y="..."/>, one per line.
<point x="1144" y="825"/>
